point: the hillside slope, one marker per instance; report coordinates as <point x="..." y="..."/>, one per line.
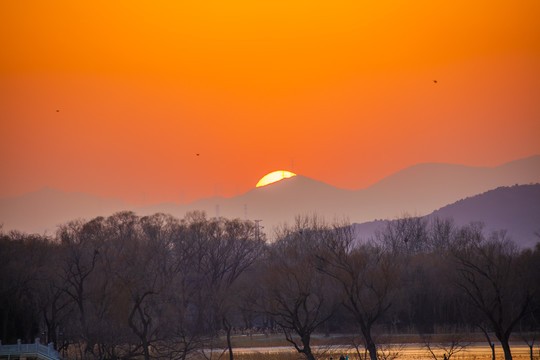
<point x="515" y="209"/>
<point x="418" y="190"/>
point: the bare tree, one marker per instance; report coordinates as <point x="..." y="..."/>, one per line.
<point x="22" y="270"/>
<point x="488" y="339"/>
<point x="529" y="335"/>
<point x="367" y="275"/>
<point x="390" y="351"/>
<point x="407" y="234"/>
<point x="448" y="349"/>
<point x="231" y="248"/>
<point x="55" y="305"/>
<point x="81" y="243"/>
<point x="493" y="281"/>
<point x="297" y="296"/>
<point x="529" y="326"/>
<point x="184" y="303"/>
<point x="144" y="269"/>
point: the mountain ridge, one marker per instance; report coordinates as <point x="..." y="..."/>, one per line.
<point x="436" y="185"/>
<point x="515" y="209"/>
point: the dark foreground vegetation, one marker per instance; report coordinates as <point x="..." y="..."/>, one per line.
<point x="127" y="287"/>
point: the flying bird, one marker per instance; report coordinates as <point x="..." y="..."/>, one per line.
<point x="435" y="81"/>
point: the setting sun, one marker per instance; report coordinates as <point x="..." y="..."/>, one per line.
<point x="274" y="177"/>
<point x="132" y="87"/>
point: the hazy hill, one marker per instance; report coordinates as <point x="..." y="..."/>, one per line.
<point x="515" y="209"/>
<point x="43" y="210"/>
<point x="274" y="204"/>
<point x="423" y="188"/>
<point x="417" y="190"/>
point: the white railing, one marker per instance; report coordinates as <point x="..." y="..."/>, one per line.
<point x="46" y="352"/>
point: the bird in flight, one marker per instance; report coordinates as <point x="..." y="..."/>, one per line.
<point x="435" y="81"/>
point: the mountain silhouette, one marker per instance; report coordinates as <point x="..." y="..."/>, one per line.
<point x="423" y="188"/>
<point x="274" y="204"/>
<point x="417" y="190"/>
<point x="515" y="209"/>
<point x="43" y="210"/>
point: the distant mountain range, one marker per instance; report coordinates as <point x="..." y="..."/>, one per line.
<point x="417" y="190"/>
<point x="41" y="211"/>
<point x="515" y="209"/>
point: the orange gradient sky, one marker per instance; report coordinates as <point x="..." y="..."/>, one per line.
<point x="339" y="91"/>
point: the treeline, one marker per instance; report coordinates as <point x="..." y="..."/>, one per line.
<point x="126" y="287"/>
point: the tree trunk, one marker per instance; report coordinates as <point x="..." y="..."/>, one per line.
<point x="307" y="348"/>
<point x="370" y="344"/>
<point x="5" y="320"/>
<point x="228" y="327"/>
<point x="146" y="350"/>
<point x="372" y="348"/>
<point x="491" y="345"/>
<point x="506" y="347"/>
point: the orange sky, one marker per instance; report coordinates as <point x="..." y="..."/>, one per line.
<point x="339" y="91"/>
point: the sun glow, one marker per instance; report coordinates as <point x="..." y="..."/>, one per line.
<point x="274" y="177"/>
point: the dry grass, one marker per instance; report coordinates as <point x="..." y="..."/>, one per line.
<point x="518" y="354"/>
<point x="272" y="340"/>
<point x="274" y="347"/>
<point x="268" y="356"/>
<point x="259" y="340"/>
